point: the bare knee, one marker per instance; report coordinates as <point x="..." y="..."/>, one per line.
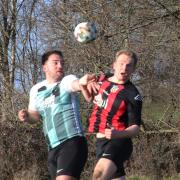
<point x="120" y="178"/>
<point x="97" y="174"/>
<point x="65" y="177"/>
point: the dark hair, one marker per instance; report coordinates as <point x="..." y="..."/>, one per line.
<point x="46" y="55"/>
<point x="129" y="53"/>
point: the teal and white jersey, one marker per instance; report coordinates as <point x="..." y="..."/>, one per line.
<point x="58" y="105"/>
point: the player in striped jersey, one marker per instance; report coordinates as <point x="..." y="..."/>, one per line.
<point x="116" y="118"/>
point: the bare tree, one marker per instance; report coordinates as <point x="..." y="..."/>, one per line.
<point x="150" y="28"/>
<point x="11" y="25"/>
<point x="28" y="28"/>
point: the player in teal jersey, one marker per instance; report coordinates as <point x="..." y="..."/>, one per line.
<point x="55" y="101"/>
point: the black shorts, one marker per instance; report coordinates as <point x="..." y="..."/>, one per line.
<point x="68" y="158"/>
<point x="117" y="150"/>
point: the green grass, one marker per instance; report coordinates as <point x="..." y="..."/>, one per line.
<point x="138" y="178"/>
<point x="177" y="114"/>
<point x="160" y="111"/>
<point x="148" y="178"/>
<point x="173" y="178"/>
<point x="154" y="111"/>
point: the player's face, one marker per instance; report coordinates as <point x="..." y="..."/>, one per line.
<point x="53" y="68"/>
<point x="123" y="68"/>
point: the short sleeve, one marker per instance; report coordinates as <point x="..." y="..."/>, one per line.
<point x="134" y="107"/>
<point x="66" y="83"/>
<point x="32" y="99"/>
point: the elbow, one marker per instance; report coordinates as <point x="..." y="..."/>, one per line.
<point x="136" y="130"/>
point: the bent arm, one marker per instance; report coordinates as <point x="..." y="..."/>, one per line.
<point x="34" y="116"/>
<point x="28" y="116"/>
<point x="88" y="97"/>
<point x="83" y="88"/>
<point x="82" y="85"/>
<point x="129" y="132"/>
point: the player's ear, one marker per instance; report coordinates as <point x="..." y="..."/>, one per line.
<point x="113" y="65"/>
<point x="44" y="68"/>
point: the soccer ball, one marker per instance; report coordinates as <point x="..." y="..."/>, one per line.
<point x="85" y="32"/>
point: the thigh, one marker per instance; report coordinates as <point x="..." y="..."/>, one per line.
<point x="52" y="165"/>
<point x="121" y="150"/>
<point x="116" y="150"/>
<point x="101" y="144"/>
<point x="72" y="158"/>
<point x="104" y="169"/>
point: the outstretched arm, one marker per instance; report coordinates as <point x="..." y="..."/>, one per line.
<point x="87" y="85"/>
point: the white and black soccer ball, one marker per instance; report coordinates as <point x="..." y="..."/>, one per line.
<point x="85" y="32"/>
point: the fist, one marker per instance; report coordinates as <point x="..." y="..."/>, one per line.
<point x="23" y="115"/>
<point x="110" y="132"/>
<point x="87" y="78"/>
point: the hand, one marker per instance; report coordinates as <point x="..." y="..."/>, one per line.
<point x="87" y="78"/>
<point x="93" y="87"/>
<point x="129" y="132"/>
<point x="110" y="132"/>
<point x="23" y="115"/>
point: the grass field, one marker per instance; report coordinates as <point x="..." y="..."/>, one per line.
<point x="162" y="115"/>
<point x="147" y="178"/>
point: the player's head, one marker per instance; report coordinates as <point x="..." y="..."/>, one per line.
<point x="129" y="53"/>
<point x="124" y="65"/>
<point x="53" y="65"/>
<point x="46" y="55"/>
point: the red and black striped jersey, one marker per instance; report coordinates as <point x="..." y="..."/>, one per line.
<point x="117" y="105"/>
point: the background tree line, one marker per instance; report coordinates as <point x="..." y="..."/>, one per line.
<point x="28" y="28"/>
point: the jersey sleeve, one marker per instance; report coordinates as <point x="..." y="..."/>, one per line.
<point x="134" y="107"/>
<point x="66" y="82"/>
<point x="32" y="99"/>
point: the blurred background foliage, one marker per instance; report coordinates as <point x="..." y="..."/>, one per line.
<point x="151" y="28"/>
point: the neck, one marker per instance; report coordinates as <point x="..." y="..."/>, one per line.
<point x="117" y="81"/>
<point x="52" y="81"/>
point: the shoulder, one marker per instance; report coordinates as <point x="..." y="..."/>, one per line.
<point x="33" y="94"/>
<point x="38" y="86"/>
<point x="132" y="93"/>
<point x="69" y="78"/>
<point x="66" y="82"/>
<point x="130" y="87"/>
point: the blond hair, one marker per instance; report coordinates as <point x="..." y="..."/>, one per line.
<point x="129" y="53"/>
